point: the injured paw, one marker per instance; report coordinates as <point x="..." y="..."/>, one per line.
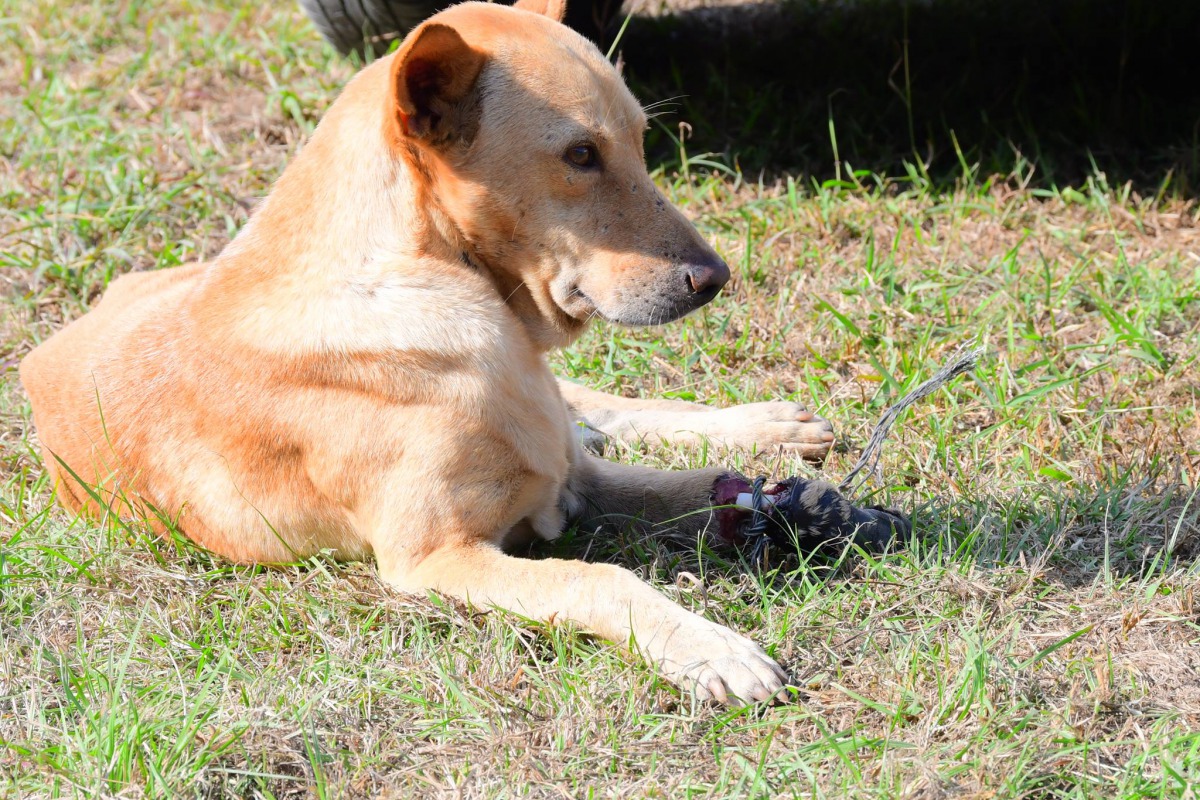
<point x="805" y="514"/>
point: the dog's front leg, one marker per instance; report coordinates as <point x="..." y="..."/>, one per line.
<point x="608" y="493"/>
<point x="448" y="538"/>
<point x="688" y="648"/>
<point x="765" y="426"/>
<point x="611" y="602"/>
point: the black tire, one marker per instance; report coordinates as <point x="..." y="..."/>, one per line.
<point x="354" y="26"/>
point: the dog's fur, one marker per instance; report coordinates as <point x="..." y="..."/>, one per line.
<point x="362" y="369"/>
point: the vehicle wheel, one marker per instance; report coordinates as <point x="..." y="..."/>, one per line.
<point x="356" y="25"/>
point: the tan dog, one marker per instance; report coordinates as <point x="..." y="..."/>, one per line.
<point x="362" y="369"/>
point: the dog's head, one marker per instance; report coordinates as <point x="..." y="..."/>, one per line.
<point x="529" y="143"/>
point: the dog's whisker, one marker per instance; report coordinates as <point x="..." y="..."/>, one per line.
<point x="513" y="293"/>
<point x="664" y="101"/>
<point x="608" y="111"/>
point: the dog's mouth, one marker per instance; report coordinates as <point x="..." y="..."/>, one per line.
<point x="641" y="312"/>
<point x="646" y="300"/>
<point x="579" y="306"/>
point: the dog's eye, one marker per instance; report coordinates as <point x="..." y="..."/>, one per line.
<point x="582" y="156"/>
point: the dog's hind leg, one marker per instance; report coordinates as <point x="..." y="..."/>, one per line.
<point x="764" y="426"/>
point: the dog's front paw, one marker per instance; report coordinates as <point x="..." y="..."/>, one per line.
<point x="718" y="664"/>
<point x="770" y="425"/>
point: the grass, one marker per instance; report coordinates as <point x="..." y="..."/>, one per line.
<point x="1038" y="637"/>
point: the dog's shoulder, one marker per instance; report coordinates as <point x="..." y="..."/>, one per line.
<point x="422" y="308"/>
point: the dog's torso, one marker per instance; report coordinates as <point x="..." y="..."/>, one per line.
<point x="264" y="435"/>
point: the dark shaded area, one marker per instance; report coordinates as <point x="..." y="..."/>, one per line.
<point x="1071" y="86"/>
<point x="1134" y="521"/>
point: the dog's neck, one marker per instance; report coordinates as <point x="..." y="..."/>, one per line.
<point x="547" y="326"/>
<point x="343" y="205"/>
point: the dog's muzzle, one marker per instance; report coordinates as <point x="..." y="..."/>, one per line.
<point x="691" y="286"/>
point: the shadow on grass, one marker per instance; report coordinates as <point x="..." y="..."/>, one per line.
<point x="1071" y="86"/>
<point x="1135" y="523"/>
<point x="1127" y="524"/>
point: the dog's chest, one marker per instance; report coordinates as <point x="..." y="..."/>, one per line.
<point x="539" y="430"/>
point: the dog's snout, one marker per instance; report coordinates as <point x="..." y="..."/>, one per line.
<point x="706" y="278"/>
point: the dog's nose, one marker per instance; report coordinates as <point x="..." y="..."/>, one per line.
<point x="708" y="277"/>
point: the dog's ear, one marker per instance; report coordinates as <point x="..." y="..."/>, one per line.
<point x="433" y="73"/>
<point x="554" y="9"/>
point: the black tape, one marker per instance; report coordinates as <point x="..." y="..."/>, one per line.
<point x="814" y="515"/>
